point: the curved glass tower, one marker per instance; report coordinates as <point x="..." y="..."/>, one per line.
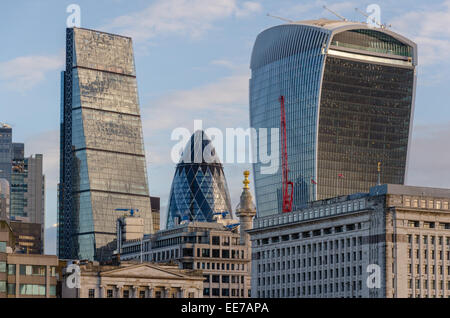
<point x="102" y="166"/>
<point x="349" y="92"/>
<point x="199" y="188"/>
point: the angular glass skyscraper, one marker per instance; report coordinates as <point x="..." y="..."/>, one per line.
<point x="102" y="166"/>
<point x="6" y="151"/>
<point x="199" y="188"/>
<point x="349" y="92"/>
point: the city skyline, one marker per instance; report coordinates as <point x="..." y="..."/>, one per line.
<point x="212" y="72"/>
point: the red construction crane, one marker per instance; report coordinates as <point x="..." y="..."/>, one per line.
<point x="288" y="186"/>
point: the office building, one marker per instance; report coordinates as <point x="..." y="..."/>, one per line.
<point x="28" y="188"/>
<point x="392" y="242"/>
<point x="5" y="151"/>
<point x="27" y="212"/>
<point x="28" y="237"/>
<point x="24" y="195"/>
<point x="4" y="199"/>
<point x="220" y="249"/>
<point x="156" y="213"/>
<point x="207" y="246"/>
<point x="134" y="280"/>
<point x="24" y="275"/>
<point x="199" y="187"/>
<point x="8" y="151"/>
<point x="102" y="165"/>
<point x="18" y="151"/>
<point x="349" y="99"/>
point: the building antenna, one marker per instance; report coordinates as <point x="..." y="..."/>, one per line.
<point x="383" y="26"/>
<point x="335" y="13"/>
<point x="280" y="18"/>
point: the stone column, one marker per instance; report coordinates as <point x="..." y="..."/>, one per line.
<point x="135" y="292"/>
<point x="149" y="291"/>
<point x="166" y="292"/>
<point x="47" y="281"/>
<point x="182" y="293"/>
<point x="102" y="290"/>
<point x="119" y="291"/>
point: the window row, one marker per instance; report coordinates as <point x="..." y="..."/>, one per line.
<point x="220" y="266"/>
<point x="315" y="290"/>
<point x="309" y="276"/>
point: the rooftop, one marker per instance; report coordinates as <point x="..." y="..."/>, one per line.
<point x="3" y="125"/>
<point x="329" y="24"/>
<point x="323" y="208"/>
<point x="409" y="190"/>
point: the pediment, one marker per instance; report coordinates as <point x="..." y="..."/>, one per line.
<point x="143" y="271"/>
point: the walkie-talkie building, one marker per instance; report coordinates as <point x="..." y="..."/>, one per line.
<point x="102" y="166"/>
<point x="349" y="97"/>
<point x="199" y="187"/>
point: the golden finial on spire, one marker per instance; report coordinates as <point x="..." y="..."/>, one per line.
<point x="246" y="181"/>
<point x="379" y="166"/>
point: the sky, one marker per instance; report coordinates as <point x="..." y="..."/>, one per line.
<point x="192" y="62"/>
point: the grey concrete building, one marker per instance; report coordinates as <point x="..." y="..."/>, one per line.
<point x="391" y="242"/>
<point x="220" y="249"/>
<point x="207" y="246"/>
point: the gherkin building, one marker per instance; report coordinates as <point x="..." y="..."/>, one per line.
<point x="199" y="188"/>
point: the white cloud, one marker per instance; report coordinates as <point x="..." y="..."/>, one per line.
<point x="248" y="8"/>
<point x="25" y="72"/>
<point x="314" y="9"/>
<point x="340" y="7"/>
<point x="183" y="17"/>
<point x="225" y="99"/>
<point x="224" y="63"/>
<point x="429" y="29"/>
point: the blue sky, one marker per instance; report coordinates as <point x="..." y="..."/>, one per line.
<point x="192" y="62"/>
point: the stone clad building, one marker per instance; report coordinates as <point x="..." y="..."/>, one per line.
<point x="220" y="249"/>
<point x="391" y="242"/>
<point x="134" y="280"/>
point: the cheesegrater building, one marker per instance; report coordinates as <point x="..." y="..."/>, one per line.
<point x="102" y="166"/>
<point x="349" y="92"/>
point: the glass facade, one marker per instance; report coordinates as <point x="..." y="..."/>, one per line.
<point x="287" y="61"/>
<point x="19" y="186"/>
<point x="364" y="119"/>
<point x="348" y="98"/>
<point x="373" y="41"/>
<point x="6" y="151"/>
<point x="103" y="164"/>
<point x="199" y="188"/>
